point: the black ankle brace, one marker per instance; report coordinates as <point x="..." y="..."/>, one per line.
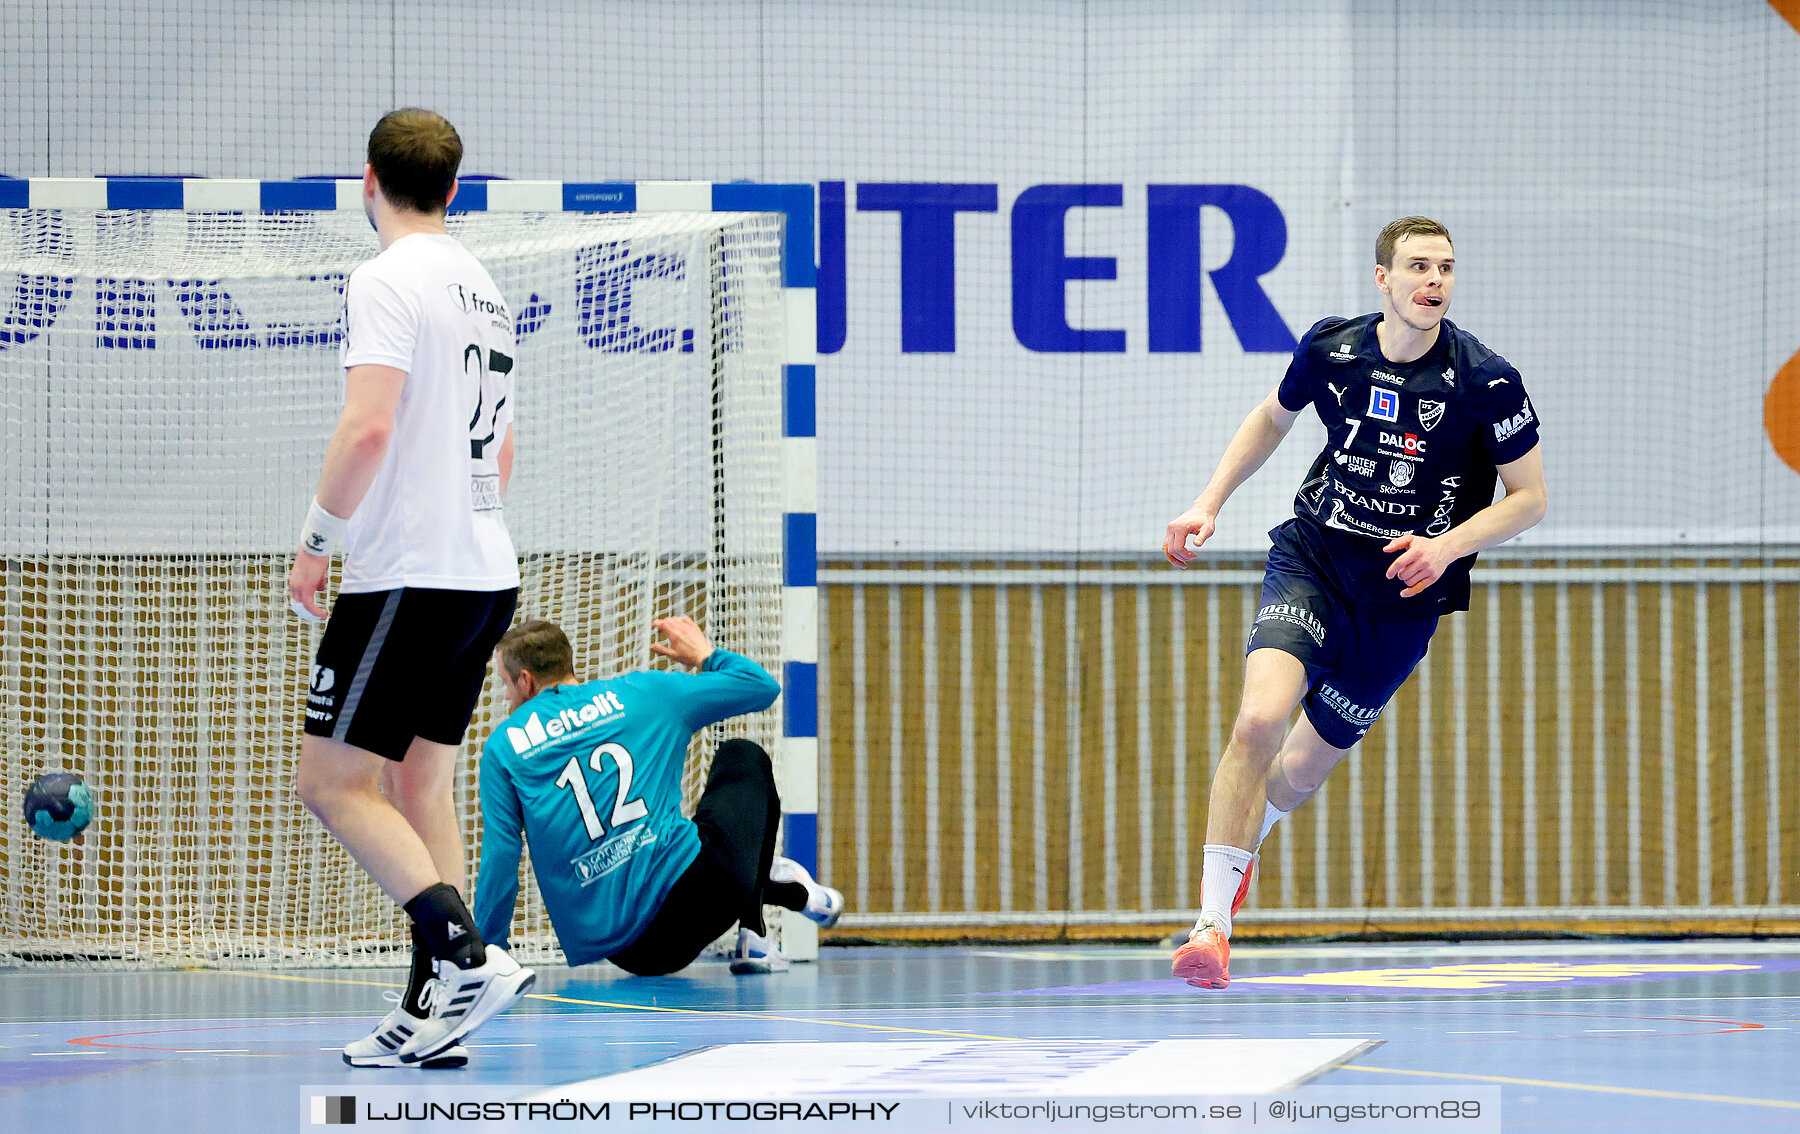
<point x="448" y="930"/>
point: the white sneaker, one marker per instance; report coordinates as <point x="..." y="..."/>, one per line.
<point x="823" y="904"/>
<point x="464" y="1000"/>
<point x="756" y="954"/>
<point x="381" y="1047"/>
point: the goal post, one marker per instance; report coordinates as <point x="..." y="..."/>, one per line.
<point x="168" y="379"/>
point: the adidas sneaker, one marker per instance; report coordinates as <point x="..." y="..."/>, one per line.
<point x="823" y="904"/>
<point x="381" y="1047"/>
<point x="756" y="954"/>
<point x="464" y="1000"/>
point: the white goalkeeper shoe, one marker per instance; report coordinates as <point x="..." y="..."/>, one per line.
<point x="823" y="904"/>
<point x="756" y="954"/>
<point x="464" y="1000"/>
<point x="381" y="1047"/>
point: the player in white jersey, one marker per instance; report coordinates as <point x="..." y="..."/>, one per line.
<point x="411" y="489"/>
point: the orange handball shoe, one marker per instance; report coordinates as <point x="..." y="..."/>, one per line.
<point x="1243" y="890"/>
<point x="1204" y="961"/>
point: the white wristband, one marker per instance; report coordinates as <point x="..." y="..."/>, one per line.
<point x="322" y="531"/>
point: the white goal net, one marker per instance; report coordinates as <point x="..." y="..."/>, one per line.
<point x="168" y="381"/>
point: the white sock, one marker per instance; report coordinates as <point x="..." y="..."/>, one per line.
<point x="1222" y="871"/>
<point x="1271" y="816"/>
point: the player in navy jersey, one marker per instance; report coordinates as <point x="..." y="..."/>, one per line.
<point x="590" y="773"/>
<point x="1421" y="420"/>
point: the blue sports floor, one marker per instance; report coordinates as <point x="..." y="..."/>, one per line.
<point x="1572" y="1036"/>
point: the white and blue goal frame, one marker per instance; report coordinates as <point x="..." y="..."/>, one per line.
<point x="799" y="275"/>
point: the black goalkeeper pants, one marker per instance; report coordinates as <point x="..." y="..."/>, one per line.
<point x="738" y="816"/>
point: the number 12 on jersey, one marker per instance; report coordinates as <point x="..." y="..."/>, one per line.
<point x="623" y="811"/>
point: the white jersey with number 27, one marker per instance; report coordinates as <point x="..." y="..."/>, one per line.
<point x="432" y="517"/>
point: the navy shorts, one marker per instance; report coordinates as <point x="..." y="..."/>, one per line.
<point x="1355" y="658"/>
<point x="397" y="664"/>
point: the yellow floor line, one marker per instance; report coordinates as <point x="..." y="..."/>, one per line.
<point x="1782" y="1104"/>
<point x="300" y="979"/>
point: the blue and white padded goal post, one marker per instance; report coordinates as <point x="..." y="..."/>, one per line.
<point x="798" y="756"/>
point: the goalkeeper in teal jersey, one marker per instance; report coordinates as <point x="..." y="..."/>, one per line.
<point x="590" y="773"/>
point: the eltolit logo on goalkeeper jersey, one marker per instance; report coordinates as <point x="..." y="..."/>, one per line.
<point x="535" y="732"/>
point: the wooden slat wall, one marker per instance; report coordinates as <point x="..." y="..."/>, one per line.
<point x="1017" y="747"/>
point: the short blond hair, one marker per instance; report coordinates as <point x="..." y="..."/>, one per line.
<point x="539" y="648"/>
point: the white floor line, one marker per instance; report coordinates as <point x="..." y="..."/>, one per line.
<point x="71" y="1053"/>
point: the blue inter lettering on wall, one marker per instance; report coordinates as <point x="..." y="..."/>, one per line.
<point x="927" y="253"/>
<point x="1173" y="266"/>
<point x="1042" y="267"/>
<point x="928" y="223"/>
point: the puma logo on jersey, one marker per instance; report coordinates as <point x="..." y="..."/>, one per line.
<point x="1497" y="382"/>
<point x="1340" y="392"/>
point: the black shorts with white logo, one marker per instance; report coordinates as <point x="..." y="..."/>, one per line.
<point x="394" y="665"/>
<point x="1355" y="659"/>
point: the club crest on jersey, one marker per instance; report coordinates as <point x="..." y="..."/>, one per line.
<point x="1430" y="413"/>
<point x="1384" y="405"/>
<point x="1400" y="473"/>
